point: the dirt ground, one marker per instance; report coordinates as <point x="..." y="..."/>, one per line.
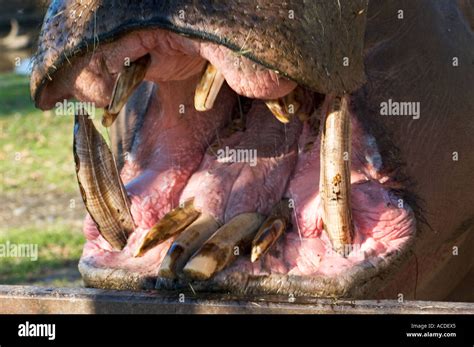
<point x="38" y="209"/>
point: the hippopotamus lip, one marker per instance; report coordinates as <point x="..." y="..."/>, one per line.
<point x="363" y="281"/>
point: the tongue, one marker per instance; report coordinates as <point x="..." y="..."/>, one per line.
<point x="248" y="171"/>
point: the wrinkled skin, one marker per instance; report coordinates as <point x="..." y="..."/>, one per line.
<point x="306" y="59"/>
<point x="406" y="60"/>
<point x="415" y="65"/>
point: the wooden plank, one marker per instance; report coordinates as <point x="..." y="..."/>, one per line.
<point x="31" y="300"/>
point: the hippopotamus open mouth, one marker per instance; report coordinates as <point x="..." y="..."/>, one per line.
<point x="247" y="164"/>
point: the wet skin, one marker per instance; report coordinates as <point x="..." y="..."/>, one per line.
<point x="425" y="159"/>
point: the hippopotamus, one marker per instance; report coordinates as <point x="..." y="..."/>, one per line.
<point x="316" y="148"/>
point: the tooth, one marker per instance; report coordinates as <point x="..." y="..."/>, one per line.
<point x="335" y="173"/>
<point x="126" y="83"/>
<point x="271" y="230"/>
<point x="276" y="107"/>
<point x="171" y="224"/>
<point x="223" y="247"/>
<point x="208" y="88"/>
<point x="186" y="244"/>
<point x="283" y="108"/>
<point x="99" y="181"/>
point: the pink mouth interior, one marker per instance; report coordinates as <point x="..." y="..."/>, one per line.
<point x="173" y="160"/>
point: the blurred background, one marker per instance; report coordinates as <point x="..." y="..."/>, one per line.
<point x="39" y="199"/>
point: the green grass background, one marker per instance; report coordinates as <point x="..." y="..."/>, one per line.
<point x="35" y="146"/>
<point x="58" y="247"/>
<point x="35" y="157"/>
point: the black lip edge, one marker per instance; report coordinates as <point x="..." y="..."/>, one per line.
<point x="130" y="26"/>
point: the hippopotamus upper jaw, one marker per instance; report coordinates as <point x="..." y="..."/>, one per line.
<point x="317" y="44"/>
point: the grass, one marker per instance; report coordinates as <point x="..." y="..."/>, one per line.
<point x="35" y="146"/>
<point x="57" y="247"/>
<point x="35" y="158"/>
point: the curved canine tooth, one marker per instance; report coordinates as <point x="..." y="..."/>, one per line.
<point x="126" y="83"/>
<point x="171" y="224"/>
<point x="101" y="188"/>
<point x="221" y="249"/>
<point x="335" y="173"/>
<point x="271" y="230"/>
<point x="208" y="88"/>
<point x="283" y="108"/>
<point x="186" y="244"/>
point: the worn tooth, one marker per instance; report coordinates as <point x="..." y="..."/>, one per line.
<point x="171" y="224"/>
<point x="208" y="88"/>
<point x="271" y="230"/>
<point x="283" y="108"/>
<point x="278" y="110"/>
<point x="335" y="173"/>
<point x="126" y="83"/>
<point x="186" y="244"/>
<point x="99" y="181"/>
<point x="223" y="247"/>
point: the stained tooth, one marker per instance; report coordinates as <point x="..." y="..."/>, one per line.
<point x="186" y="244"/>
<point x="99" y="181"/>
<point x="126" y="83"/>
<point x="208" y="88"/>
<point x="283" y="108"/>
<point x="335" y="173"/>
<point x="271" y="230"/>
<point x="171" y="224"/>
<point x="278" y="110"/>
<point x="223" y="247"/>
